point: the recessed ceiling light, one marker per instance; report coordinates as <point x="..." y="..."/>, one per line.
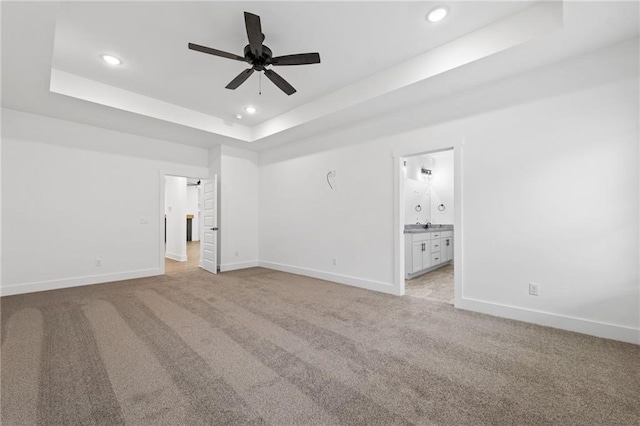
<point x="111" y="60"/>
<point x="438" y="14"/>
<point x="239" y="116"/>
<point x="250" y="109"/>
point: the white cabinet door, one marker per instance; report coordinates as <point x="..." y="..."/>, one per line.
<point x="417" y="257"/>
<point x="447" y="248"/>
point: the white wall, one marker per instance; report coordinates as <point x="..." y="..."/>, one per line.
<point x="549" y="194"/>
<point x="442" y="188"/>
<point x="51" y="237"/>
<point x="0" y="214"/>
<point x="175" y="195"/>
<point x="237" y="171"/>
<point x="193" y="208"/>
<point x="417" y="190"/>
<point x="305" y="225"/>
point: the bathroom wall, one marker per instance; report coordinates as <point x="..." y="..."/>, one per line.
<point x="442" y="188"/>
<point x="417" y="191"/>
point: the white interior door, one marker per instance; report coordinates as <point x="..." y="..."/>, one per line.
<point x="209" y="237"/>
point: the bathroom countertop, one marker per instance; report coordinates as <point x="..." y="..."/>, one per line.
<point x="417" y="229"/>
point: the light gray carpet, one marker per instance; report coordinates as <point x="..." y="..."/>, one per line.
<point x="265" y="347"/>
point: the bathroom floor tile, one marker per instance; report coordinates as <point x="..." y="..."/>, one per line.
<point x="436" y="285"/>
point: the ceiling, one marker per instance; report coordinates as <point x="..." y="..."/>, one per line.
<point x="355" y="40"/>
<point x="376" y="57"/>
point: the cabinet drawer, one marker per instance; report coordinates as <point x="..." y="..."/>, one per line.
<point x="435" y="235"/>
<point x="435" y="245"/>
<point x="445" y="234"/>
<point x="435" y="259"/>
<point x="424" y="236"/>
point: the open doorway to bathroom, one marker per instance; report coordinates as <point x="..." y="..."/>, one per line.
<point x="182" y="223"/>
<point x="428" y="226"/>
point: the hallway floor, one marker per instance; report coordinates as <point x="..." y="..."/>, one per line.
<point x="436" y="285"/>
<point x="193" y="259"/>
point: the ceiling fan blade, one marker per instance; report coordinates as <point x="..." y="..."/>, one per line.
<point x="280" y="82"/>
<point x="254" y="32"/>
<point x="241" y="78"/>
<point x="298" y="59"/>
<point x="215" y="52"/>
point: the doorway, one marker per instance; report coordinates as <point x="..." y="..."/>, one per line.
<point x="182" y="222"/>
<point x="428" y="206"/>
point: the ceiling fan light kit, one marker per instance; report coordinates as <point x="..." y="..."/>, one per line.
<point x="259" y="57"/>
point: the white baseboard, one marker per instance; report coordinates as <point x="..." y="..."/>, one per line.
<point x="240" y="265"/>
<point x="175" y="256"/>
<point x="336" y="278"/>
<point x="76" y="282"/>
<point x="580" y="325"/>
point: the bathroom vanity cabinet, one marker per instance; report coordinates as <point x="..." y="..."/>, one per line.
<point x="426" y="250"/>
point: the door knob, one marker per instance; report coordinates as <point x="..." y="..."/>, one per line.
<point x="214" y="229"/>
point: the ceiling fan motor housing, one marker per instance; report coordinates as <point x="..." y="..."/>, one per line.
<point x="258" y="62"/>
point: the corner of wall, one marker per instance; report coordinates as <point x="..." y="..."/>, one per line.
<point x="238" y="177"/>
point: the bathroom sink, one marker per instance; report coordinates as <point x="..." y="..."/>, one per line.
<point x="418" y="230"/>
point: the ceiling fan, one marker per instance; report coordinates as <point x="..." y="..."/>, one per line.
<point x="260" y="56"/>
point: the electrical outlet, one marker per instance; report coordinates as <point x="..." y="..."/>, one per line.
<point x="534" y="289"/>
<point x="335" y="261"/>
<point x="98" y="262"/>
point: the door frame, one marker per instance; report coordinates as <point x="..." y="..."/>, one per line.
<point x="398" y="201"/>
<point x="161" y="250"/>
